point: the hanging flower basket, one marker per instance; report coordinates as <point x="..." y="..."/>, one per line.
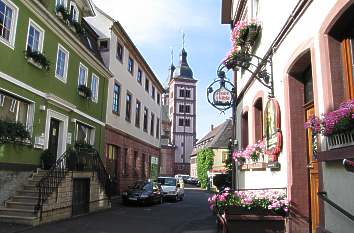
<point x="253" y="31"/>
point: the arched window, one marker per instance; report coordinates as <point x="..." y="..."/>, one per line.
<point x="258" y="119"/>
<point x="244" y="130"/>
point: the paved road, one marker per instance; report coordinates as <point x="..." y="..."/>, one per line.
<point x="188" y="216"/>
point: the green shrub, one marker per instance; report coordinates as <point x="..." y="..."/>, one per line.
<point x="205" y="160"/>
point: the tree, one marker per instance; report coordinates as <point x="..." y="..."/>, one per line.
<point x="205" y="160"/>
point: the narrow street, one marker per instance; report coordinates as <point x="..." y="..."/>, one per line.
<point x="188" y="216"/>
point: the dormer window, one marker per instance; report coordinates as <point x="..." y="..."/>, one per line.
<point x="103" y="45"/>
<point x="74" y="12"/>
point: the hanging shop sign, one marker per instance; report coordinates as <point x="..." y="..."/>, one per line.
<point x="272" y="132"/>
<point x="220" y="93"/>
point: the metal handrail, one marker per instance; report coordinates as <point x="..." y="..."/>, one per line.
<point x="78" y="159"/>
<point x="323" y="196"/>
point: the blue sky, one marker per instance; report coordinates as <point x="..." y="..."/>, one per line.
<point x="156" y="27"/>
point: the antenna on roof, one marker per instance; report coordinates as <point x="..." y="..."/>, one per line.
<point x="171" y="55"/>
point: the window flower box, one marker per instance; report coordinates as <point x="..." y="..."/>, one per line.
<point x="84" y="91"/>
<point x="337" y="126"/>
<point x="257" y="165"/>
<point x="37" y="59"/>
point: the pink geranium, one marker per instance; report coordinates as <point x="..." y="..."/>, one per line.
<point x="252" y="152"/>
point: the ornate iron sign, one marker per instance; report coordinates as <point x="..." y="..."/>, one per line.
<point x="221" y="98"/>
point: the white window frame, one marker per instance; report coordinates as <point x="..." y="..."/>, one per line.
<point x="2" y="100"/>
<point x="32" y="23"/>
<point x="11" y="42"/>
<point x="76" y="9"/>
<point x="95" y="95"/>
<point x="63" y="79"/>
<point x="86" y="76"/>
<point x="65" y="3"/>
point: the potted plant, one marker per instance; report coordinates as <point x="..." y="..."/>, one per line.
<point x="337" y="126"/>
<point x="84" y="91"/>
<point x="37" y="59"/>
<point x="62" y="12"/>
<point x="253" y="210"/>
<point x="47" y="159"/>
<point x="253" y="31"/>
<point x="71" y="159"/>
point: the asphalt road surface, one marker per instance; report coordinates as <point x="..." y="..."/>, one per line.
<point x="192" y="215"/>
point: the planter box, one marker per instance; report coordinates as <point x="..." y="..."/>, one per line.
<point x="251" y="221"/>
<point x="340" y="140"/>
<point x="81" y="93"/>
<point x="32" y="62"/>
<point x="257" y="165"/>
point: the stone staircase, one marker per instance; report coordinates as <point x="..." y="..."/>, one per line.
<point x="20" y="208"/>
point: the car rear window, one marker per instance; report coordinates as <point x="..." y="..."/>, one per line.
<point x="167" y="181"/>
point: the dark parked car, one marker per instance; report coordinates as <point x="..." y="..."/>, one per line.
<point x="143" y="192"/>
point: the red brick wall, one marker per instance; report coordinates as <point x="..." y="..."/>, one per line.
<point x="136" y="149"/>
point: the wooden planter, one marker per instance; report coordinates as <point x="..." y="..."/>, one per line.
<point x="251" y="221"/>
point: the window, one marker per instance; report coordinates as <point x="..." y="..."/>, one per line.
<point x="34" y="37"/>
<point x="84" y="134"/>
<point x="135" y="160"/>
<point x="181" y="93"/>
<point x="145" y="126"/>
<point x="180" y="122"/>
<point x="8" y="21"/>
<point x="139" y="76"/>
<point x="258" y="119"/>
<point x="120" y="50"/>
<point x="153" y="92"/>
<point x="244" y="130"/>
<point x="157" y="128"/>
<point x="128" y="106"/>
<point x="130" y="65"/>
<point x="103" y="45"/>
<point x="152" y="124"/>
<point x="187" y="122"/>
<point x="147" y="85"/>
<point x="61" y="69"/>
<point x="60" y="3"/>
<point x="14" y="109"/>
<point x="158" y="98"/>
<point x="187" y="93"/>
<point x="116" y="98"/>
<point x="187" y="108"/>
<point x="94" y="88"/>
<point x="143" y="165"/>
<point x="225" y="156"/>
<point x="83" y="72"/>
<point x="137" y="113"/>
<point x="254" y="9"/>
<point x="181" y="108"/>
<point x="74" y="12"/>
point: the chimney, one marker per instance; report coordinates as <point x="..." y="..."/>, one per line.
<point x="211" y="127"/>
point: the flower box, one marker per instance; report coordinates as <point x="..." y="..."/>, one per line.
<point x="257" y="165"/>
<point x="84" y="91"/>
<point x="340" y="140"/>
<point x="32" y="62"/>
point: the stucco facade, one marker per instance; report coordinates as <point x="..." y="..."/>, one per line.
<point x="310" y="40"/>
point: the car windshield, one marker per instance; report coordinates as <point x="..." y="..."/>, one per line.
<point x="142" y="186"/>
<point x="167" y="181"/>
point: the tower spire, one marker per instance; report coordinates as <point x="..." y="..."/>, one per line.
<point x="183" y="39"/>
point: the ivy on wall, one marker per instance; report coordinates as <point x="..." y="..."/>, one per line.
<point x="205" y="160"/>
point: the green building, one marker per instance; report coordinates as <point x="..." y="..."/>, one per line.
<point x="52" y="80"/>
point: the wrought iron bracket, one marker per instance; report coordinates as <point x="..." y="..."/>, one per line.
<point x="260" y="69"/>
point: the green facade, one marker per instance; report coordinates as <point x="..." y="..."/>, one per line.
<point x="14" y="66"/>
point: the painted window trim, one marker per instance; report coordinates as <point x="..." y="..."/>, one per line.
<point x="137" y="123"/>
<point x="42" y="34"/>
<point x="141" y="76"/>
<point x="76" y="9"/>
<point x="117" y="57"/>
<point x="95" y="97"/>
<point x="132" y="65"/>
<point x="11" y="42"/>
<point x="128" y="119"/>
<point x="147" y="120"/>
<point x="66" y="65"/>
<point x="86" y="76"/>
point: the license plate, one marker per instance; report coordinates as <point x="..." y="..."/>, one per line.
<point x="132" y="198"/>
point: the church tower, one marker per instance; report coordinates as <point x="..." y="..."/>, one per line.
<point x="182" y="112"/>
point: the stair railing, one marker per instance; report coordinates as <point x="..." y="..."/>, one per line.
<point x="82" y="158"/>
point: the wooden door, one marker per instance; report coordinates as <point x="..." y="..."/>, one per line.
<point x="81" y="196"/>
<point x="313" y="173"/>
<point x="54" y="136"/>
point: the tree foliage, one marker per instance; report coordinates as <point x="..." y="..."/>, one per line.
<point x="205" y="160"/>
